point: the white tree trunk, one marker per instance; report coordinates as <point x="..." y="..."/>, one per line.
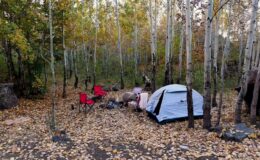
<point x="224" y="57"/>
<point x="240" y="54"/>
<point x="119" y="46"/>
<point x="172" y="41"/>
<point x="215" y="59"/>
<point x="155" y="27"/>
<point x="189" y="65"/>
<point x="255" y="98"/>
<point x="207" y="68"/>
<point x="95" y="45"/>
<point x="153" y="34"/>
<point x="74" y="52"/>
<point x="168" y="43"/>
<point x="247" y="59"/>
<point x="257" y="54"/>
<point x="136" y="45"/>
<point x="65" y="59"/>
<point x="53" y="110"/>
<point x="254" y="48"/>
<point x="85" y="53"/>
<point x="181" y="48"/>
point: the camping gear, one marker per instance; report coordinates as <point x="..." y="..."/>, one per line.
<point x="98" y="91"/>
<point x="112" y="103"/>
<point x="84" y="102"/>
<point x="128" y="97"/>
<point x="137" y="90"/>
<point x="169" y="103"/>
<point x="143" y="100"/>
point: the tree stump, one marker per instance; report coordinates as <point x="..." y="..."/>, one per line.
<point x="8" y="99"/>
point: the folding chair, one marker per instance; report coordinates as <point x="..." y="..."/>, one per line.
<point x="98" y="91"/>
<point x="84" y="102"/>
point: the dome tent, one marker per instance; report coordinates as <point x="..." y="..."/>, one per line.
<point x="169" y="103"/>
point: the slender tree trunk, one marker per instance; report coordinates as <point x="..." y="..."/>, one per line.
<point x="136" y="45"/>
<point x="181" y="49"/>
<point x="224" y="57"/>
<point x="64" y="95"/>
<point x="248" y="55"/>
<point x="153" y="34"/>
<point x="119" y="47"/>
<point x="95" y="49"/>
<point x="107" y="61"/>
<point x="70" y="60"/>
<point x="53" y="110"/>
<point x="255" y="99"/>
<point x="215" y="59"/>
<point x="74" y="52"/>
<point x="207" y="69"/>
<point x="168" y="43"/>
<point x="189" y="65"/>
<point x="240" y="54"/>
<point x="257" y="54"/>
<point x="86" y="65"/>
<point x="155" y="28"/>
<point x="172" y="41"/>
<point x="85" y="53"/>
<point x="253" y="58"/>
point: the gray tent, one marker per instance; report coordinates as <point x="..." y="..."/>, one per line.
<point x="169" y="103"/>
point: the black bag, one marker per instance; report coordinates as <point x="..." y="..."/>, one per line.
<point x="111" y="104"/>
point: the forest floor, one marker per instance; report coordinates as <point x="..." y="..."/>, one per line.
<point x="114" y="134"/>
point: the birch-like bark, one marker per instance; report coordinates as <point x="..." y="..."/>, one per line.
<point x="155" y="27"/>
<point x="85" y="53"/>
<point x="153" y="34"/>
<point x="136" y="45"/>
<point x="207" y="68"/>
<point x="240" y="54"/>
<point x="257" y="54"/>
<point x="53" y="91"/>
<point x="119" y="46"/>
<point x="253" y="58"/>
<point x="86" y="60"/>
<point x="64" y="95"/>
<point x="74" y="52"/>
<point x="181" y="48"/>
<point x="172" y="41"/>
<point x="168" y="43"/>
<point x="108" y="30"/>
<point x="189" y="65"/>
<point x="95" y="45"/>
<point x="247" y="59"/>
<point x="224" y="58"/>
<point x="255" y="98"/>
<point x="215" y="59"/>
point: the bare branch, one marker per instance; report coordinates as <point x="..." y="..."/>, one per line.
<point x="219" y="10"/>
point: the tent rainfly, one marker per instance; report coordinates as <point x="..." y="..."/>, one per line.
<point x="169" y="103"/>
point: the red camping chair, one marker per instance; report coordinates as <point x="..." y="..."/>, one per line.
<point x="84" y="102"/>
<point x="98" y="91"/>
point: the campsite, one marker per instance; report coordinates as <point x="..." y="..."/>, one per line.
<point x="115" y="134"/>
<point x="129" y="79"/>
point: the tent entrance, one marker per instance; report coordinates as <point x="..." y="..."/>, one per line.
<point x="158" y="106"/>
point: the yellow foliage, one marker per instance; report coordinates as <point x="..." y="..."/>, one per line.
<point x="18" y="39"/>
<point x="37" y="83"/>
